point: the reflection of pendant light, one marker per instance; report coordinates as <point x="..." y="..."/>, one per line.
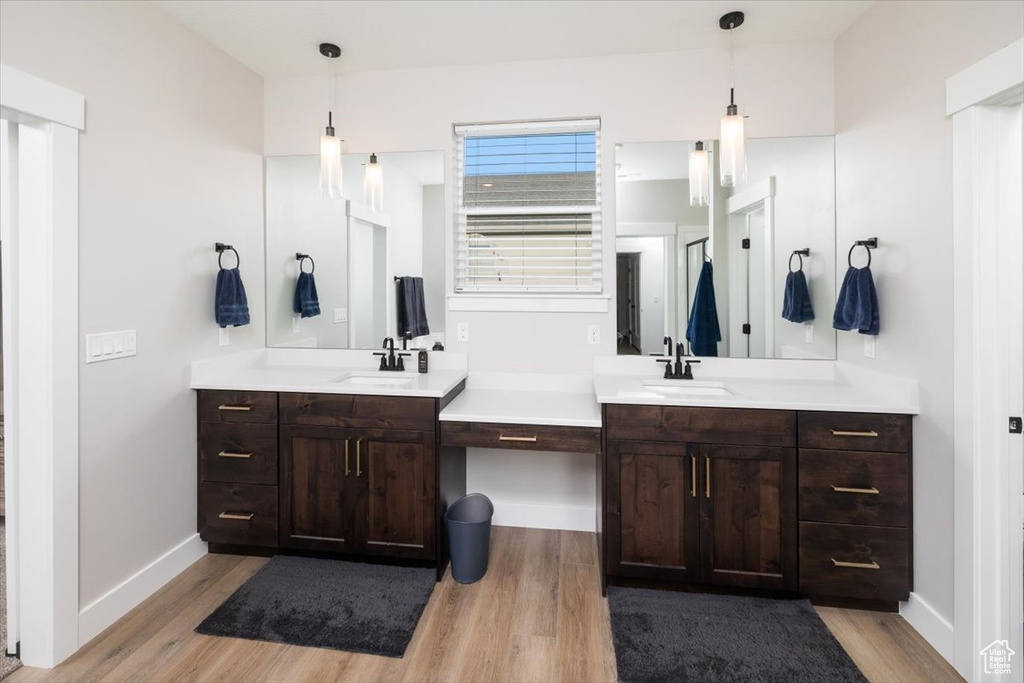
<point x="373" y="185"/>
<point x="699" y="175"/>
<point x="732" y="158"/>
<point x="330" y="144"/>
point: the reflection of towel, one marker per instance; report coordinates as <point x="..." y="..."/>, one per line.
<point x="796" y="301"/>
<point x="702" y="331"/>
<point x="306" y="301"/>
<point x="857" y="305"/>
<point x="230" y="307"/>
<point x="412" y="311"/>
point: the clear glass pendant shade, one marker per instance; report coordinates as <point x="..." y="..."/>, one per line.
<point x="732" y="158"/>
<point x="373" y="185"/>
<point x="330" y="165"/>
<point x="699" y="176"/>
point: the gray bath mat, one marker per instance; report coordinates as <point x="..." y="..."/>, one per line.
<point x="665" y="636"/>
<point x="327" y="603"/>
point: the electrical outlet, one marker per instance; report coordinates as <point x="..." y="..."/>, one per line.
<point x="340" y="315"/>
<point x="462" y="332"/>
<point x="809" y="333"/>
<point x="224" y="337"/>
<point x="869" y="346"/>
<point x="295" y="324"/>
<point x="593" y="334"/>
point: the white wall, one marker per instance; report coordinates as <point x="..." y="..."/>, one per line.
<point x="433" y="258"/>
<point x="894" y="182"/>
<point x="170" y="162"/>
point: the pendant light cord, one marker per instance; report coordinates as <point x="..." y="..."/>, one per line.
<point x="732" y="66"/>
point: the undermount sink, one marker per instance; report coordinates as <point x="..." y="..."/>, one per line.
<point x="374" y="381"/>
<point x="669" y="388"/>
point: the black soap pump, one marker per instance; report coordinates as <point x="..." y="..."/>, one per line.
<point x="423" y="361"/>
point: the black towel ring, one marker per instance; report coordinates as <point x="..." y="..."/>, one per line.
<point x="799" y="253"/>
<point x="221" y="248"/>
<point x="301" y="258"/>
<point x="868" y="245"/>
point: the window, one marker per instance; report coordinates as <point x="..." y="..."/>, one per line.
<point x="529" y="207"/>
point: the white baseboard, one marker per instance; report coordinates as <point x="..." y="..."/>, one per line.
<point x="108" y="608"/>
<point x="932" y="626"/>
<point x="533" y="516"/>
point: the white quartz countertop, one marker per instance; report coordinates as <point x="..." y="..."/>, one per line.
<point x="322" y="373"/>
<point x="522" y="406"/>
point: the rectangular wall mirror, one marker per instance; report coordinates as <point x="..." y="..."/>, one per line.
<point x="781" y="219"/>
<point x="362" y="260"/>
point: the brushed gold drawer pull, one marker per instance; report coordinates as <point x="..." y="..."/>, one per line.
<point x="854" y="565"/>
<point x="348" y="470"/>
<point x="693" y="476"/>
<point x="529" y="439"/>
<point x="848" y="489"/>
<point x="243" y="409"/>
<point x="233" y="515"/>
<point x="228" y="454"/>
<point x="707" y="477"/>
<point x="840" y="432"/>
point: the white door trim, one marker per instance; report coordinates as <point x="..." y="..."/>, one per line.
<point x="988" y="375"/>
<point x="45" y="356"/>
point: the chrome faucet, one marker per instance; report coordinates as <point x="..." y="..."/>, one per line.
<point x="391" y="361"/>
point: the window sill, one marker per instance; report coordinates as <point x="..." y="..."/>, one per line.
<point x="530" y="303"/>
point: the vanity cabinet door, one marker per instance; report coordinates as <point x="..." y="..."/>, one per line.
<point x="748" y="516"/>
<point x="396" y="504"/>
<point x="652" y="499"/>
<point x="318" y="488"/>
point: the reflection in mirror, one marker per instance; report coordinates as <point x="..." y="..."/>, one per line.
<point x="367" y="263"/>
<point x="747" y="304"/>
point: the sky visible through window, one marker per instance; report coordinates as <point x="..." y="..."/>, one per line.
<point x="531" y="154"/>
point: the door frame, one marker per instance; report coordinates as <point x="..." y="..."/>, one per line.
<point x="42" y="360"/>
<point x="358" y="213"/>
<point x="757" y="197"/>
<point x="984" y="103"/>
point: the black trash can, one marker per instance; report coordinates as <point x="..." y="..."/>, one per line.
<point x="469" y="536"/>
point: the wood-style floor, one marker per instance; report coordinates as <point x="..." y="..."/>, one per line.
<point x="537" y="617"/>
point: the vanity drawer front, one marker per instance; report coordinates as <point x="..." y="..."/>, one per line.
<point x="239" y="514"/>
<point x="844" y="560"/>
<point x="238" y="453"/>
<point x="855" y="431"/>
<point x="521" y="437"/>
<point x="854" y="487"/>
<point x="238" y="406"/>
<point x="730" y="426"/>
<point x="367" y="412"/>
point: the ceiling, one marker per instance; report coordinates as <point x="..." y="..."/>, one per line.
<point x="280" y="37"/>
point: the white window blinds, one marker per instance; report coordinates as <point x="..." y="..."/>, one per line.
<point x="528" y="207"/>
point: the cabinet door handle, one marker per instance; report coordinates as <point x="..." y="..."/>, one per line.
<point x="707" y="477"/>
<point x="530" y="439"/>
<point x="228" y="454"/>
<point x="359" y="467"/>
<point x="842" y="432"/>
<point x="234" y="515"/>
<point x="847" y="489"/>
<point x="243" y="409"/>
<point x="348" y="470"/>
<point x="693" y="476"/>
<point x="854" y="565"/>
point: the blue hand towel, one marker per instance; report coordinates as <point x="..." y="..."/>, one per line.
<point x="411" y="307"/>
<point x="230" y="304"/>
<point x="702" y="331"/>
<point x="857" y="305"/>
<point x="796" y="301"/>
<point x="307" y="304"/>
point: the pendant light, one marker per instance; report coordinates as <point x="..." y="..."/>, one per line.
<point x="373" y="185"/>
<point x="732" y="159"/>
<point x="330" y="144"/>
<point x="699" y="175"/>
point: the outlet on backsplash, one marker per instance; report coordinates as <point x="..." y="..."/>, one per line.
<point x="462" y="332"/>
<point x="869" y="346"/>
<point x="593" y="334"/>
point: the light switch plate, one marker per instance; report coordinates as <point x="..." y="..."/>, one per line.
<point x="462" y="332"/>
<point x="869" y="346"/>
<point x="340" y="315"/>
<point x="593" y="334"/>
<point x="224" y="337"/>
<point x="809" y="333"/>
<point x="109" y="346"/>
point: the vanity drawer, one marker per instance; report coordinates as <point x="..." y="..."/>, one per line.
<point x="854" y="487"/>
<point x="855" y="431"/>
<point x="239" y="514"/>
<point x="730" y="426"/>
<point x="521" y="437"/>
<point x="238" y="406"/>
<point x="238" y="453"/>
<point x="843" y="560"/>
<point x="367" y="412"/>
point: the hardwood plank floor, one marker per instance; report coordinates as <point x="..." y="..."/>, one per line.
<point x="537" y="616"/>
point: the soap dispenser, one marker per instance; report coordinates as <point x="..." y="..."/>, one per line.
<point x="423" y="361"/>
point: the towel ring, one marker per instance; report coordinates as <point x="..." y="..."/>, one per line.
<point x="799" y="253"/>
<point x="301" y="258"/>
<point x="868" y="246"/>
<point x="221" y="248"/>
